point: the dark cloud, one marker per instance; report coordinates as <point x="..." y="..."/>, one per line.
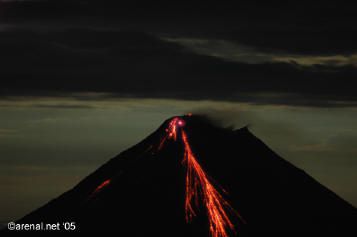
<point x="63" y="47"/>
<point x="133" y="64"/>
<point x="297" y="27"/>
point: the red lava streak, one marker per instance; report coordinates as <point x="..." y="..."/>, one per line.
<point x="101" y="186"/>
<point x="199" y="188"/>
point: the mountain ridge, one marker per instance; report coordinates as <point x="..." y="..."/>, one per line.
<point x="144" y="186"/>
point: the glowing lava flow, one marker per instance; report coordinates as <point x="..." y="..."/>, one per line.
<point x="197" y="183"/>
<point x="101" y="186"/>
<point x="198" y="187"/>
<point x="172" y="130"/>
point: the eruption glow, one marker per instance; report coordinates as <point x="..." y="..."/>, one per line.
<point x="199" y="187"/>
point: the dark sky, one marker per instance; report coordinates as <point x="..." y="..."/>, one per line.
<point x="300" y="53"/>
<point x="83" y="80"/>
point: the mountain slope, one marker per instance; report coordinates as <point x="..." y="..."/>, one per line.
<point x="142" y="190"/>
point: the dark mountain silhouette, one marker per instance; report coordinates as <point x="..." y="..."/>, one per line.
<point x="143" y="189"/>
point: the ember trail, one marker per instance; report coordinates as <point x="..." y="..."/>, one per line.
<point x="198" y="186"/>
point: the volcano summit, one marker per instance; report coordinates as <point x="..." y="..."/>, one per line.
<point x="193" y="178"/>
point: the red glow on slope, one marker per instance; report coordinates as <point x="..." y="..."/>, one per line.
<point x="199" y="188"/>
<point x="101" y="186"/>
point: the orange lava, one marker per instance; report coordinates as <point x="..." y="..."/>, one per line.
<point x="171" y="131"/>
<point x="173" y="125"/>
<point x="199" y="188"/>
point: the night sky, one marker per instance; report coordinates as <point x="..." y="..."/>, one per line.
<point x="82" y="81"/>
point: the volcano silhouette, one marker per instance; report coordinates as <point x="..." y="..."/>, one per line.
<point x="142" y="190"/>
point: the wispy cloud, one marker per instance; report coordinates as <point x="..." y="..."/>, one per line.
<point x="137" y="64"/>
<point x="235" y="52"/>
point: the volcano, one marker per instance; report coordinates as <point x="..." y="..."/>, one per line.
<point x="193" y="178"/>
